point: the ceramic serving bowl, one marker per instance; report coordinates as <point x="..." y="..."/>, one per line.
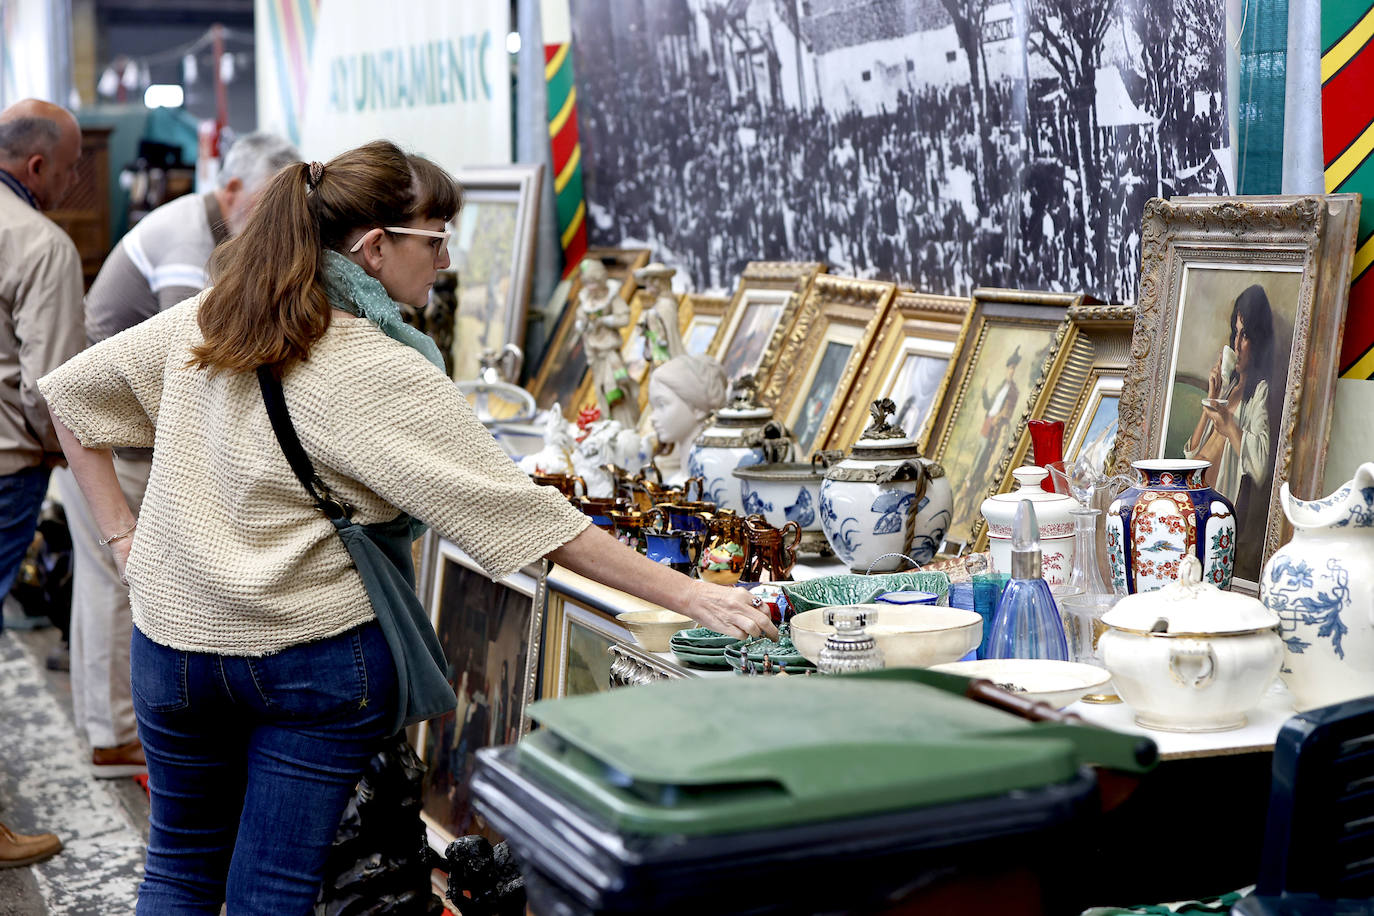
<point x="653" y="629"/>
<point x="1037" y="679"/>
<point x="908" y="637"/>
<point x="783" y="492"/>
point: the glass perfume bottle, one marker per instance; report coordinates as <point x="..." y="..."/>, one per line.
<point x="1027" y="624"/>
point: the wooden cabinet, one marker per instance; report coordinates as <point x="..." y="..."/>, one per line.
<point x="85" y="211"/>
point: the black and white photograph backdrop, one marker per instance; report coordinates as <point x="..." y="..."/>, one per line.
<point x="940" y="144"/>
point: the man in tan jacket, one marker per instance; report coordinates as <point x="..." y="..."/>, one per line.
<point x="41" y="327"/>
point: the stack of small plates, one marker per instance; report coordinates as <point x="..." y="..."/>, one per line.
<point x="701" y="647"/>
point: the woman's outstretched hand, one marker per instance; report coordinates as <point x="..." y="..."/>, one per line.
<point x="732" y="611"/>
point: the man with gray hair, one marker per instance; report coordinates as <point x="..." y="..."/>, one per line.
<point x="40" y="328"/>
<point x="160" y="262"/>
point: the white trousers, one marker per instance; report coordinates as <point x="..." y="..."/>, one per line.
<point x="102" y="623"/>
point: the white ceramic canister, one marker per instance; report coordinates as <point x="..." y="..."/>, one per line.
<point x="737" y="437"/>
<point x="1190" y="657"/>
<point x="1321" y="586"/>
<point x="1051" y="514"/>
<point x="867" y="501"/>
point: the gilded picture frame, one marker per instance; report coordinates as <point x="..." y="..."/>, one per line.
<point x="489" y="631"/>
<point x="701" y="315"/>
<point x="917" y="334"/>
<point x="755" y="325"/>
<point x="492" y="250"/>
<point x="575" y="657"/>
<point x="1286" y="263"/>
<point x="830" y="338"/>
<point x="994" y="385"/>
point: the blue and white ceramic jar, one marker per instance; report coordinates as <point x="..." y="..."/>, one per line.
<point x="1169" y="513"/>
<point x="738" y="437"/>
<point x="1321" y="585"/>
<point x="789" y="491"/>
<point x="882" y="499"/>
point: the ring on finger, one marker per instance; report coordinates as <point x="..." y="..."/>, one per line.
<point x="757" y="602"/>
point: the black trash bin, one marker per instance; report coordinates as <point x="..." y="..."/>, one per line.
<point x="794" y="795"/>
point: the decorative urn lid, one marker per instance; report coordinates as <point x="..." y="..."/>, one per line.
<point x="883" y="451"/>
<point x="744" y="424"/>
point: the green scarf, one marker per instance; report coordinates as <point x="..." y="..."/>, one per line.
<point x="350" y="288"/>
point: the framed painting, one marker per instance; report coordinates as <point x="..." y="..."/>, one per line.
<point x="831" y="335"/>
<point x="1082" y="387"/>
<point x="754" y="326"/>
<point x="701" y="314"/>
<point x="578" y="635"/>
<point x="994" y="384"/>
<point x="1234" y="354"/>
<point x="492" y="250"/>
<point x="908" y="362"/>
<point x="486" y="629"/>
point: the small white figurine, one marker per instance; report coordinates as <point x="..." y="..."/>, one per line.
<point x="683" y="393"/>
<point x="606" y="443"/>
<point x="556" y="457"/>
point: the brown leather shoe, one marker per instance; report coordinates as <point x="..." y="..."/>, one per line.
<point x="114" y="762"/>
<point x="16" y="849"/>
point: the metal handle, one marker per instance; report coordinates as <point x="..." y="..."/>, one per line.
<point x="869" y="571"/>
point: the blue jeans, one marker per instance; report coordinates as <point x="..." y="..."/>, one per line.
<point x="251" y="762"/>
<point x="21" y="499"/>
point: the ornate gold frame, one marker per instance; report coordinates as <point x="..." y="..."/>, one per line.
<point x="911" y="314"/>
<point x="1008" y="307"/>
<point x="694" y="304"/>
<point x="1316" y="232"/>
<point x="789" y="276"/>
<point x="831" y="300"/>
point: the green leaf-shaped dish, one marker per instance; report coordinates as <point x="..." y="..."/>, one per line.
<point x="702" y="638"/>
<point x="850" y="588"/>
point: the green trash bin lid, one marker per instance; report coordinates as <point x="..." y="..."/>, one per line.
<point x="712" y="756"/>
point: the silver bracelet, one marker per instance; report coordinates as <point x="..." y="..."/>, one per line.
<point x="127" y="532"/>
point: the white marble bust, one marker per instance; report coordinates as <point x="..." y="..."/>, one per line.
<point x="683" y="394"/>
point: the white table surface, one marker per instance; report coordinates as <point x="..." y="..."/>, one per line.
<point x="1256" y="735"/>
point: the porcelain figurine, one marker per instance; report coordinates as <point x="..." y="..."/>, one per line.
<point x="1188" y="656"/>
<point x="1169" y="513"/>
<point x="1051" y="512"/>
<point x="606" y="445"/>
<point x="1321" y="586"/>
<point x="742" y="434"/>
<point x="683" y="393"/>
<point x="556" y="457"/>
<point x="885" y="501"/>
<point x="600" y="316"/>
<point x="659" y="321"/>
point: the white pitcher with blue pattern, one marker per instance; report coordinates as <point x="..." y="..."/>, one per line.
<point x="1321" y="584"/>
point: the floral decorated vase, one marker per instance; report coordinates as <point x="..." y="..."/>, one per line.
<point x="884" y="501"/>
<point x="739" y="437"/>
<point x="1169" y="513"/>
<point x="1321" y="585"/>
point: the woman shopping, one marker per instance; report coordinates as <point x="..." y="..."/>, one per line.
<point x="262" y="679"/>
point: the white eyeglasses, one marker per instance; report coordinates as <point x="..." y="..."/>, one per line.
<point x="428" y="233"/>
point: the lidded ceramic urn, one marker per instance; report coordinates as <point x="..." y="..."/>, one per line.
<point x="1169" y="513"/>
<point x="1051" y="512"/>
<point x="884" y="501"/>
<point x="1189" y="656"/>
<point x="740" y="435"/>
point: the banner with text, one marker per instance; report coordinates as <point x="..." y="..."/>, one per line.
<point x="434" y="77"/>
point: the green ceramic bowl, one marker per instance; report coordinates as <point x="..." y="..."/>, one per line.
<point x="696" y="660"/>
<point x="850" y="588"/>
<point x="702" y="638"/>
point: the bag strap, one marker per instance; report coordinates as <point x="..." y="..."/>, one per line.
<point x="285" y="430"/>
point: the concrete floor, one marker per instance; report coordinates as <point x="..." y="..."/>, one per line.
<point x="46" y="785"/>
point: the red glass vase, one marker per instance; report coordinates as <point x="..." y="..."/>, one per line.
<point x="1047" y="447"/>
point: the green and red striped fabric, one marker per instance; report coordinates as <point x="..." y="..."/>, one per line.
<point x="1348" y="155"/>
<point x="567" y="154"/>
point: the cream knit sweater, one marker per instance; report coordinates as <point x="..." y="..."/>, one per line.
<point x="231" y="556"/>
